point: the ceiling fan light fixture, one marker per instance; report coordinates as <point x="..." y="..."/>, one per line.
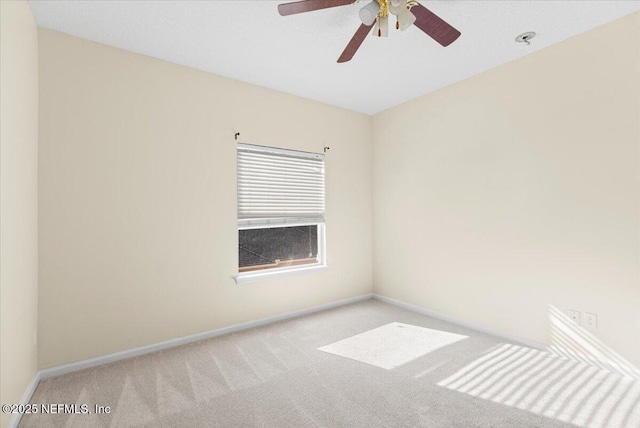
<point x="383" y="26"/>
<point x="369" y="12"/>
<point x="396" y="7"/>
<point x="405" y="19"/>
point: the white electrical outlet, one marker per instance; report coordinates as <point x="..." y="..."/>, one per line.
<point x="574" y="316"/>
<point x="590" y="321"/>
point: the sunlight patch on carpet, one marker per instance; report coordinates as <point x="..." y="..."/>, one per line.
<point x="548" y="385"/>
<point x="392" y="345"/>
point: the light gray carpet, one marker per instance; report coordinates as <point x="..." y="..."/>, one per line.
<point x="274" y="376"/>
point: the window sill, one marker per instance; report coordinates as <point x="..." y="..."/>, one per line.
<point x="242" y="278"/>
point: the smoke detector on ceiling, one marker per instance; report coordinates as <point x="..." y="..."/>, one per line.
<point x="525" y="37"/>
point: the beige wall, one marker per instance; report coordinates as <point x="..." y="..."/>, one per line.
<point x="519" y="189"/>
<point x="18" y="199"/>
<point x="138" y="239"/>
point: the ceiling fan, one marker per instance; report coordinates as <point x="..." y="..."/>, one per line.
<point x="376" y="14"/>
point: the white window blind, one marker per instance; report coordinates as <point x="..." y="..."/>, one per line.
<point x="278" y="186"/>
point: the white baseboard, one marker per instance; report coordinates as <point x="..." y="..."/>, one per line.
<point x="134" y="352"/>
<point x="129" y="353"/>
<point x="467" y="324"/>
<point x="26" y="398"/>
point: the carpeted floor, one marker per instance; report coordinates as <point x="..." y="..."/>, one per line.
<point x="274" y="376"/>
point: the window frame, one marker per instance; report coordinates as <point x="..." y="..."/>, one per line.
<point x="271" y="223"/>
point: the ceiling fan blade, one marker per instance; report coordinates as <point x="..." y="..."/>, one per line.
<point x="434" y="26"/>
<point x="355" y="42"/>
<point x="309" y="6"/>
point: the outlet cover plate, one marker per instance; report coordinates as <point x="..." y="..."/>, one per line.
<point x="574" y="316"/>
<point x="591" y="321"/>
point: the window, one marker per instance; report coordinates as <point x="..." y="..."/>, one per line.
<point x="280" y="211"/>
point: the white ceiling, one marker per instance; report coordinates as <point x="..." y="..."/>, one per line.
<point x="251" y="42"/>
